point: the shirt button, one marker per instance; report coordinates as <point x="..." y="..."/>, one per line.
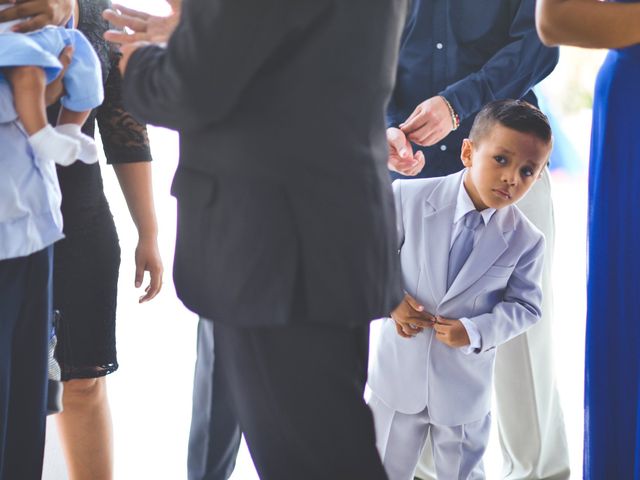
<point x="443" y="147"/>
<point x="439" y="46"/>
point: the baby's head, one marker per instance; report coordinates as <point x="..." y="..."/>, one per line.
<point x="507" y="149"/>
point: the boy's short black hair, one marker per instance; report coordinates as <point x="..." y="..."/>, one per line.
<point x="515" y="114"/>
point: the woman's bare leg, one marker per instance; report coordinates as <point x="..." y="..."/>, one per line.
<point x="85" y="429"/>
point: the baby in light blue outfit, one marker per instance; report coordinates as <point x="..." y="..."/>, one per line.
<point x="28" y="62"/>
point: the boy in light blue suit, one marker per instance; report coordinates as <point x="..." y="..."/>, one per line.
<point x="471" y="265"/>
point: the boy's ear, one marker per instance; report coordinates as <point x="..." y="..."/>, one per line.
<point x="466" y="152"/>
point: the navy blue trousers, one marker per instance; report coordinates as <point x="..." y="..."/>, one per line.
<point x="25" y="318"/>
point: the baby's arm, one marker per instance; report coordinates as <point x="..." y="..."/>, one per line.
<point x="84" y="92"/>
<point x="70" y="116"/>
<point x="28" y="84"/>
<point x="30" y="95"/>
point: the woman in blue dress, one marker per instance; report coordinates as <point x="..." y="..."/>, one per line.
<point x="612" y="378"/>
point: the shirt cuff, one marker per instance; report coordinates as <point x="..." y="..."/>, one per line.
<point x="474" y="337"/>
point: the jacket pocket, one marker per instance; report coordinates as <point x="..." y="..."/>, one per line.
<point x="193" y="188"/>
<point x="500" y="271"/>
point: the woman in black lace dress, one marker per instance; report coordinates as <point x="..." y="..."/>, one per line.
<point x="87" y="261"/>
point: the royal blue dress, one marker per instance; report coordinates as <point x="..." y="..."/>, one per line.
<point x="612" y="379"/>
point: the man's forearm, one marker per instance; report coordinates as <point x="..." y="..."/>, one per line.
<point x="154" y="94"/>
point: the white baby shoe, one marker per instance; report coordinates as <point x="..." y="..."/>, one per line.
<point x="48" y="144"/>
<point x="88" y="150"/>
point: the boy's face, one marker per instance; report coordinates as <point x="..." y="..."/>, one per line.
<point x="503" y="166"/>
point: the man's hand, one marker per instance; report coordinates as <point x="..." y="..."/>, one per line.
<point x="429" y="123"/>
<point x="410" y="317"/>
<point x="55" y="89"/>
<point x="451" y="332"/>
<point x="37" y="13"/>
<point x="145" y="27"/>
<point x="401" y="156"/>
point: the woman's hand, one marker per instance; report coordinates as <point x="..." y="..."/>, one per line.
<point x="37" y="13"/>
<point x="147" y="257"/>
<point x="135" y="181"/>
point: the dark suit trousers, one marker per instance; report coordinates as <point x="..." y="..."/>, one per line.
<point x="297" y="391"/>
<point x="214" y="437"/>
<point x="25" y="315"/>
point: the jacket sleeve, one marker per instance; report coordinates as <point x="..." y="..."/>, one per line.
<point x="521" y="306"/>
<point x="217" y="48"/>
<point x="514" y="69"/>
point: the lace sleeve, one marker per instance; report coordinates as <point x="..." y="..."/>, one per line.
<point x="124" y="139"/>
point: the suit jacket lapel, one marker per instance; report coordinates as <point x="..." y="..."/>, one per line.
<point x="439" y="209"/>
<point x="490" y="246"/>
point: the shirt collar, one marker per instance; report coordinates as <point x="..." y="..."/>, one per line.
<point x="464" y="205"/>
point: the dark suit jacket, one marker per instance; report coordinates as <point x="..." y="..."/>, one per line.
<point x="285" y="211"/>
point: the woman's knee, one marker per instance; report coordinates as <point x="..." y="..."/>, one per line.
<point x="85" y="389"/>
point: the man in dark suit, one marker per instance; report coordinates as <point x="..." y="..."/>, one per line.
<point x="288" y="248"/>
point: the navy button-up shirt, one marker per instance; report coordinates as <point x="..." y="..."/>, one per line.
<point x="471" y="52"/>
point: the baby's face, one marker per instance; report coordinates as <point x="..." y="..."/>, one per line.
<point x="503" y="166"/>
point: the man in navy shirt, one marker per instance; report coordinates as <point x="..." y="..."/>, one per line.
<point x="456" y="56"/>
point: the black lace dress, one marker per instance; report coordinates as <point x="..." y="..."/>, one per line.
<point x="86" y="262"/>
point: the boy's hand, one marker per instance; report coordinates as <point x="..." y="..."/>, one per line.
<point x="451" y="332"/>
<point x="429" y="123"/>
<point x="55" y="89"/>
<point x="145" y="27"/>
<point x="401" y="156"/>
<point x="410" y="317"/>
<point x="37" y="13"/>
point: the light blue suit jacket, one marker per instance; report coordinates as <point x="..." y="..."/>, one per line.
<point x="498" y="289"/>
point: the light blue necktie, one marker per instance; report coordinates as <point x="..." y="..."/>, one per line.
<point x="462" y="245"/>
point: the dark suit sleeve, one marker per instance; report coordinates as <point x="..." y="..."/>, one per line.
<point x="215" y="51"/>
<point x="519" y="65"/>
